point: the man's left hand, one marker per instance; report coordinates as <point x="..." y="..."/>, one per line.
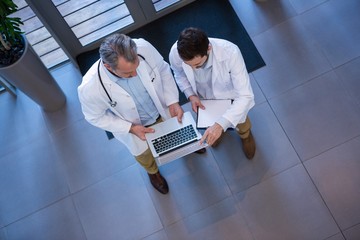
<point x="176" y="110"/>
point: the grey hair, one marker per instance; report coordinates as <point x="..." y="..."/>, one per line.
<point x="115" y="46"/>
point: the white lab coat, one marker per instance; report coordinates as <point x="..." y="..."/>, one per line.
<point x="118" y="120"/>
<point x="230" y="79"/>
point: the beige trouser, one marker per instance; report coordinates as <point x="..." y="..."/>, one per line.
<point x="146" y="159"/>
<point x="243" y="129"/>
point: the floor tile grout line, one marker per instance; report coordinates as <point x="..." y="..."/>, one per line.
<point x="36" y="211"/>
<point x="78" y="216"/>
<point x="307" y="172"/>
<point x="302" y="163"/>
<point x="323" y="200"/>
<point x="101" y="180"/>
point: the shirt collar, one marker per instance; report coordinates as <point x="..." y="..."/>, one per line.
<point x="114" y="77"/>
<point x="209" y="61"/>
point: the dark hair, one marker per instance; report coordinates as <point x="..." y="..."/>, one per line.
<point x="115" y="46"/>
<point x="192" y="42"/>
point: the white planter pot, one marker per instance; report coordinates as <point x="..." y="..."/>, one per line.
<point x="31" y="76"/>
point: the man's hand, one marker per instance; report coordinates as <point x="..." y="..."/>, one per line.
<point x="195" y="103"/>
<point x="140" y="131"/>
<point x="212" y="134"/>
<point x="176" y="110"/>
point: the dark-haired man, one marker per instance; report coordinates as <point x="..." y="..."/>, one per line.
<point x="210" y="68"/>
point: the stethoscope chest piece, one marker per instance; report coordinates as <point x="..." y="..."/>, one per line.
<point x="113" y="104"/>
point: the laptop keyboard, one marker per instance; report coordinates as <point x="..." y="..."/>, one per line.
<point x="174" y="139"/>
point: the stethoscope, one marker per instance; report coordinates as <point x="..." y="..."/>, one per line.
<point x="114" y="103"/>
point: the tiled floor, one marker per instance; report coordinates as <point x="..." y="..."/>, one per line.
<point x="61" y="178"/>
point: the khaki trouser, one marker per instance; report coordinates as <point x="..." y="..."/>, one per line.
<point x="243" y="129"/>
<point x="146" y="159"/>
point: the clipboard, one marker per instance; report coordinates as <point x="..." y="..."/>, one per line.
<point x="214" y="109"/>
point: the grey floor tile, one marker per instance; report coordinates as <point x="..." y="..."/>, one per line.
<point x="2" y="234"/>
<point x="30" y="178"/>
<point x="56" y="222"/>
<point x="300" y="59"/>
<point x="287" y="206"/>
<point x="353" y="233"/>
<point x="305" y="5"/>
<point x="88" y="155"/>
<point x="220" y="221"/>
<point x="258" y="94"/>
<point x="349" y="73"/>
<point x="338" y="236"/>
<point x="336" y="175"/>
<point x="337" y="30"/>
<point x="160" y="235"/>
<point x="274" y="152"/>
<point x="118" y="207"/>
<point x="258" y="17"/>
<point x="21" y="122"/>
<point x="68" y="78"/>
<point x="195" y="183"/>
<point x="318" y="115"/>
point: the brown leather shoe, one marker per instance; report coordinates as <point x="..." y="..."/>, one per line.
<point x="249" y="147"/>
<point x="159" y="182"/>
<point x="201" y="151"/>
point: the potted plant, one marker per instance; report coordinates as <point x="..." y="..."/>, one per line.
<point x="21" y="66"/>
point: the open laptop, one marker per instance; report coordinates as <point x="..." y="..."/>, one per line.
<point x="172" y="140"/>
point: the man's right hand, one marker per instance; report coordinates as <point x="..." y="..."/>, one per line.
<point x="195" y="103"/>
<point x="140" y="131"/>
<point x="212" y="134"/>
